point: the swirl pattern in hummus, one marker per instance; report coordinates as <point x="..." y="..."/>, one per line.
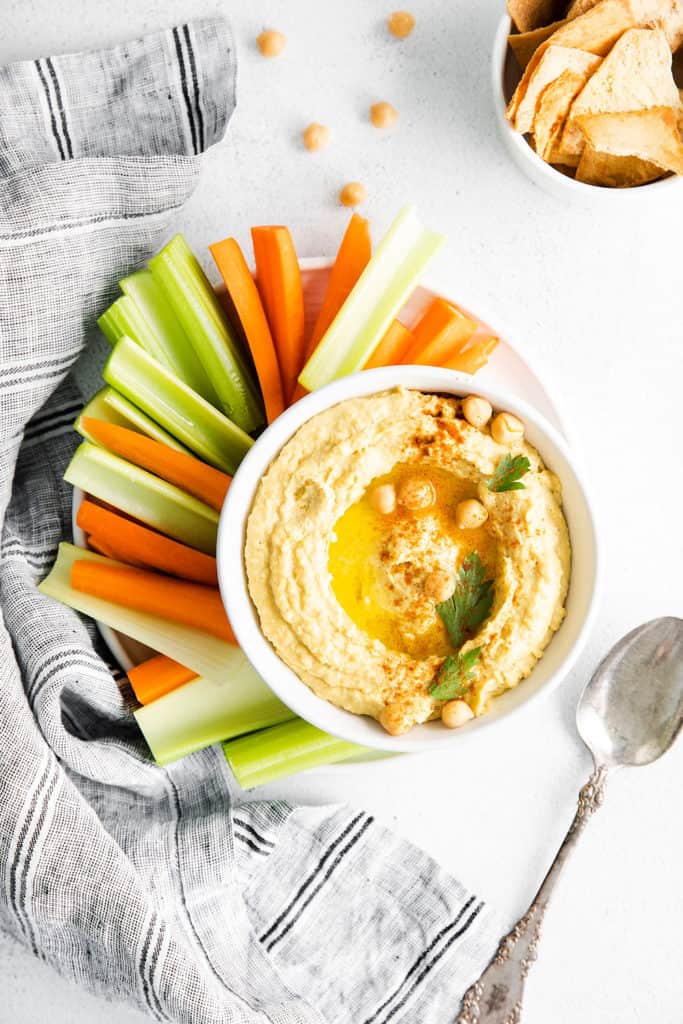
<point x="325" y="469"/>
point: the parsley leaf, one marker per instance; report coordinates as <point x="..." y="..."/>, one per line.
<point x="470" y="602"/>
<point x="508" y="472"/>
<point x="452" y="678"/>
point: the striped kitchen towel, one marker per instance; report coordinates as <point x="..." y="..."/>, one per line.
<point x="148" y="884"/>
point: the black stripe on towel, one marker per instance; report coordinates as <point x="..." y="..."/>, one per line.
<point x="60" y="106"/>
<point x="335" y="863"/>
<point x="53" y="119"/>
<point x="195" y="88"/>
<point x="311" y="878"/>
<point x="186" y="94"/>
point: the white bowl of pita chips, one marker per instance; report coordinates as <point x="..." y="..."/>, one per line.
<point x="587" y="95"/>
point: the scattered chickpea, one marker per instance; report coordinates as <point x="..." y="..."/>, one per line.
<point x="392" y="719"/>
<point x="383" y="115"/>
<point x="271" y="43"/>
<point x="455" y="713"/>
<point x="383" y="499"/>
<point x="416" y="493"/>
<point x="477" y="411"/>
<point x="506" y="428"/>
<point x="316" y="136"/>
<point x="401" y="24"/>
<point x="353" y="194"/>
<point x="439" y="585"/>
<point x="470" y="514"/>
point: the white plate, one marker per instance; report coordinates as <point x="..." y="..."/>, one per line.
<point x="507" y="370"/>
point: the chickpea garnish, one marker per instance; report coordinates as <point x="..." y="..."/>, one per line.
<point x="470" y="514"/>
<point x="506" y="428"/>
<point x="353" y="194"/>
<point x="416" y="493"/>
<point x="271" y="43"/>
<point x="455" y="713"/>
<point x="383" y="499"/>
<point x="392" y="719"/>
<point x="477" y="411"/>
<point x="401" y="24"/>
<point x="316" y="136"/>
<point x="383" y="115"/>
<point x="439" y="585"/>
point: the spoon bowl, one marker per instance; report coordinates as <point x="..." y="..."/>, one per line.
<point x="632" y="709"/>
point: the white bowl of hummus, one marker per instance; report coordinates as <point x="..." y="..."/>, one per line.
<point x="391" y="566"/>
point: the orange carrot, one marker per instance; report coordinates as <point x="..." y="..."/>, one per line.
<point x="193" y="475"/>
<point x="392" y="347"/>
<point x="279" y="283"/>
<point x="439" y="334"/>
<point x="246" y="309"/>
<point x="191" y="604"/>
<point x="157" y="676"/>
<point x="135" y="544"/>
<point x="474" y="357"/>
<point x="350" y="262"/>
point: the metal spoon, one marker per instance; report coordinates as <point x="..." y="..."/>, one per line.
<point x="629" y="714"/>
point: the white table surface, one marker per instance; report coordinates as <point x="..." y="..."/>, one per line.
<point x="596" y="300"/>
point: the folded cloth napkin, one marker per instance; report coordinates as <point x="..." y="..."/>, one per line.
<point x="149" y="884"/>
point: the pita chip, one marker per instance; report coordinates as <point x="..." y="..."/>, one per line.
<point x="635" y="75"/>
<point x="552" y="109"/>
<point x="554" y="61"/>
<point x="651" y="135"/>
<point x="531" y="14"/>
<point x="615" y="171"/>
<point x="525" y="44"/>
<point x="595" y="32"/>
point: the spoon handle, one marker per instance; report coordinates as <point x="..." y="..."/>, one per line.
<point x="497" y="997"/>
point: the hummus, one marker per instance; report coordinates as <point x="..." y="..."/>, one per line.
<point x="340" y="587"/>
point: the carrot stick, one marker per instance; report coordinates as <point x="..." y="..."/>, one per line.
<point x="474" y="357"/>
<point x="130" y="542"/>
<point x="191" y="604"/>
<point x="194" y="476"/>
<point x="392" y="347"/>
<point x="279" y="283"/>
<point x="100" y="545"/>
<point x="439" y="334"/>
<point x="157" y="676"/>
<point x="246" y="310"/>
<point x="350" y="262"/>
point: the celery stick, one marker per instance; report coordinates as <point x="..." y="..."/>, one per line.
<point x="111" y="407"/>
<point x="205" y="654"/>
<point x="124" y="318"/>
<point x="141" y="494"/>
<point x="194" y="301"/>
<point x="377" y="297"/>
<point x="204" y="712"/>
<point x="284" y="750"/>
<point x="156" y="312"/>
<point x="181" y="411"/>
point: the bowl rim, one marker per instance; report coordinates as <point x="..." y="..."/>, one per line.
<point x="230" y="547"/>
<point x="518" y="143"/>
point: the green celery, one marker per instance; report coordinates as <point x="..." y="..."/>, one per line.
<point x="204" y="654"/>
<point x="377" y="297"/>
<point x="284" y="750"/>
<point x="203" y="712"/>
<point x="124" y="318"/>
<point x="156" y="312"/>
<point x="194" y="301"/>
<point x="181" y="411"/>
<point x="111" y="407"/>
<point x="144" y="496"/>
